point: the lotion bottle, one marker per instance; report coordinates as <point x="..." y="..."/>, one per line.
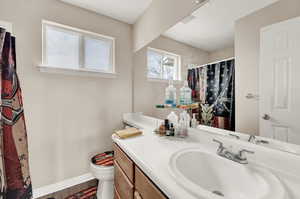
<point x="194" y="121"/>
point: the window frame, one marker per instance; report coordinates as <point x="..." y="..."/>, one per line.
<point x="164" y="53"/>
<point x="82" y="35"/>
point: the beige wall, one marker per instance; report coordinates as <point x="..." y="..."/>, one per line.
<point x="148" y="93"/>
<point x="221" y="54"/>
<point x="69" y="118"/>
<point x="158" y="18"/>
<point x="247" y="38"/>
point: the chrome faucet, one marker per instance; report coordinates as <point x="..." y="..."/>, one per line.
<point x="239" y="157"/>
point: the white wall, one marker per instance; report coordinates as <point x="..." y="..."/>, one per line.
<point x="69" y="118"/>
<point x="247" y="39"/>
<point x="148" y="93"/>
<point x="158" y="18"/>
<point x="221" y="54"/>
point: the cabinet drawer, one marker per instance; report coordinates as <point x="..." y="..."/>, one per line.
<point x="123" y="186"/>
<point x="124" y="161"/>
<point x="144" y="188"/>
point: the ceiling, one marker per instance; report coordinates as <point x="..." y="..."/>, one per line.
<point x="212" y="28"/>
<point x="127" y="11"/>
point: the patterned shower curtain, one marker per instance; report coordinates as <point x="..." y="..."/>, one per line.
<point x="214" y="85"/>
<point x="14" y="169"/>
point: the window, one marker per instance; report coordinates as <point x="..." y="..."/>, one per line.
<point x="163" y="65"/>
<point x="65" y="47"/>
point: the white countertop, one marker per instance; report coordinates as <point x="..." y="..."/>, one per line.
<point x="152" y="153"/>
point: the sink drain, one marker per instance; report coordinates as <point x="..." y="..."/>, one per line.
<point x="219" y="193"/>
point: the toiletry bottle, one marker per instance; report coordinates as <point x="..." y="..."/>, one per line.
<point x="184" y="129"/>
<point x="187" y="122"/>
<point x="172" y="130"/>
<point x="185" y="94"/>
<point x="170" y="94"/>
<point x="194" y="121"/>
<point x="162" y="130"/>
<point x="183" y="125"/>
<point x="180" y="127"/>
<point x="173" y="119"/>
<point x="187" y="118"/>
<point x="167" y="127"/>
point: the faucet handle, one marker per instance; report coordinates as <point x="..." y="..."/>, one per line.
<point x="219" y="142"/>
<point x="242" y="153"/>
<point x="233" y="135"/>
<point x="251" y="137"/>
<point x="262" y="142"/>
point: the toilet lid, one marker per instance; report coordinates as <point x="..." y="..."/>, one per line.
<point x="104" y="159"/>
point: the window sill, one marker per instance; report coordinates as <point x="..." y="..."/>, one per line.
<point x="76" y="72"/>
<point x="175" y="82"/>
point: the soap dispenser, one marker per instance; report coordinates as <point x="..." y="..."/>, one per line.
<point x="185" y="94"/>
<point x="170" y="98"/>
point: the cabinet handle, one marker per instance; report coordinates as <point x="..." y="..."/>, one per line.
<point x="137" y="195"/>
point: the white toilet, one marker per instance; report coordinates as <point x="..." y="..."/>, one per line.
<point x="105" y="176"/>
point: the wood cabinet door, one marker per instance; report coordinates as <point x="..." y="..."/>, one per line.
<point x="124" y="162"/>
<point x="123" y="186"/>
<point x="144" y="188"/>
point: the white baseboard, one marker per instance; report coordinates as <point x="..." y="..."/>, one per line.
<point x="43" y="191"/>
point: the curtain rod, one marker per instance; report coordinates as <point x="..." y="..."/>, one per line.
<point x="215" y="62"/>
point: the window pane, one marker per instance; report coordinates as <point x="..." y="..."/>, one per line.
<point x="98" y="54"/>
<point x="154" y="64"/>
<point x="62" y="48"/>
<point x="168" y="61"/>
<point x="169" y="69"/>
<point x="168" y="73"/>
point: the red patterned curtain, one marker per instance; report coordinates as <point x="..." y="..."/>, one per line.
<point x="14" y="169"/>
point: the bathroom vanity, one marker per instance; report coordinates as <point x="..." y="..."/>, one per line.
<point x="130" y="181"/>
<point x="154" y="167"/>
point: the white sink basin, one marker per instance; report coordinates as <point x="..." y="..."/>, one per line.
<point x="209" y="176"/>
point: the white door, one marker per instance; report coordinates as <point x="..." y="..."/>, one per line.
<point x="280" y="81"/>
